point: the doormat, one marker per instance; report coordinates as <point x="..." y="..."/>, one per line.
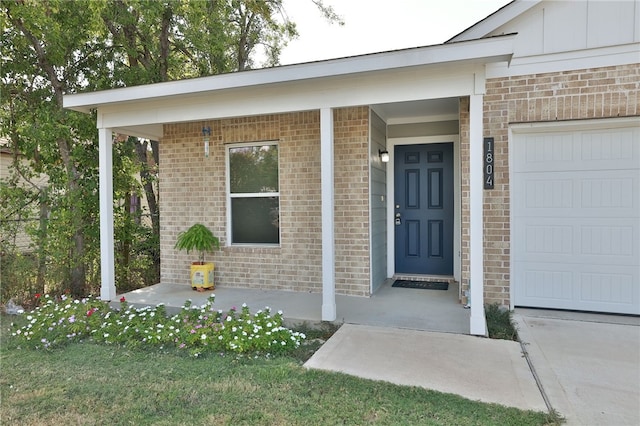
<point x="425" y="285"/>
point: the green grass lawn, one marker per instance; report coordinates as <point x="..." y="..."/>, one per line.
<point x="90" y="384"/>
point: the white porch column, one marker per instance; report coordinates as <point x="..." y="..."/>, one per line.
<point x="478" y="325"/>
<point x="107" y="265"/>
<point x="328" y="235"/>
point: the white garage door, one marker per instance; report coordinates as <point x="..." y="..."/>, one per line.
<point x="575" y="231"/>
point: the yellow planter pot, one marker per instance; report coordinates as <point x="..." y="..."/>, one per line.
<point x="202" y="276"/>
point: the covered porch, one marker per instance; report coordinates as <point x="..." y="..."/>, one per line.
<point x="416" y="309"/>
<point x="403" y="88"/>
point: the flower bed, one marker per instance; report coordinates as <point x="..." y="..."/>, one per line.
<point x="197" y="329"/>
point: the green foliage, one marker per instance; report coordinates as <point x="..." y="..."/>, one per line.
<point x="196" y="329"/>
<point x="55" y="47"/>
<point x="499" y="323"/>
<point x="110" y="385"/>
<point x="18" y="277"/>
<point x="198" y="237"/>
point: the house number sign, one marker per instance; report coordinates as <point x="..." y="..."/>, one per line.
<point x="488" y="163"/>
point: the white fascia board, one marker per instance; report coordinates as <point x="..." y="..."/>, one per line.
<point x="144" y="131"/>
<point x="485" y="49"/>
<point x="610" y="56"/>
<point x="494" y="21"/>
<point x="152" y="132"/>
<point x="408" y="84"/>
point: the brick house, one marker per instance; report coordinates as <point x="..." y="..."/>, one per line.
<point x="513" y="165"/>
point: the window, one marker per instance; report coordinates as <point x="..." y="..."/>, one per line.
<point x="254" y="197"/>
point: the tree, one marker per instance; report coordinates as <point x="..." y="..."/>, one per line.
<point x="53" y="47"/>
<point x="43" y="60"/>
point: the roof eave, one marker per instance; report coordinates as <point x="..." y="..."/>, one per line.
<point x="490" y="49"/>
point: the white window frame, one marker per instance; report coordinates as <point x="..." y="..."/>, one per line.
<point x="229" y="196"/>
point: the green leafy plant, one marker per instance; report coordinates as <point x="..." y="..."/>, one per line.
<point x="499" y="323"/>
<point x="196" y="329"/>
<point x="199" y="238"/>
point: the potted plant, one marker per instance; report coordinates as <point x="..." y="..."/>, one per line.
<point x="201" y="239"/>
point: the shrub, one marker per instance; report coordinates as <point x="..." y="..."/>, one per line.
<point x="499" y="323"/>
<point x="196" y="329"/>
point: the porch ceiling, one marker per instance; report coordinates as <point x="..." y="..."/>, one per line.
<point x="417" y="111"/>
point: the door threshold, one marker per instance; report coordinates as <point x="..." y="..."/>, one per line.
<point x="422" y="277"/>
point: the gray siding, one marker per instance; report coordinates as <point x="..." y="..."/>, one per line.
<point x="378" y="195"/>
<point x="424" y="129"/>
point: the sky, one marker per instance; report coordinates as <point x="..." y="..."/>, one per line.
<point x="378" y="25"/>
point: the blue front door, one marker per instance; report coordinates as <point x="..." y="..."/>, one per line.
<point x="423" y="213"/>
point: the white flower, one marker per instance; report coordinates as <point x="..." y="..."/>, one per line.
<point x="203" y="336"/>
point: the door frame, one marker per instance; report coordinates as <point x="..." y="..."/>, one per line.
<point x="457" y="210"/>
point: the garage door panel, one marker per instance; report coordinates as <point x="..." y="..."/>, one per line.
<point x="580" y="240"/>
<point x="604" y="150"/>
<point x="607" y="288"/>
<point x="543" y="283"/>
<point x="588" y="150"/>
<point x="575" y="208"/>
<point x="560" y="193"/>
<point x="609" y="243"/>
<point x="537" y="240"/>
<point x="607" y="285"/>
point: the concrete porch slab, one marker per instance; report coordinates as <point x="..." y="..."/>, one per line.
<point x="476" y="368"/>
<point x="433" y="310"/>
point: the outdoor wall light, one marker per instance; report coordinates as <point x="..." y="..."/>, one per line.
<point x="206" y="132"/>
<point x="384" y="155"/>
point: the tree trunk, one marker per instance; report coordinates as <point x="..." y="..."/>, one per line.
<point x="152" y="201"/>
<point x="42" y="238"/>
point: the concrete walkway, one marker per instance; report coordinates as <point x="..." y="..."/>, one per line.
<point x="588" y="364"/>
<point x="474" y="367"/>
<point x="584" y="366"/>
